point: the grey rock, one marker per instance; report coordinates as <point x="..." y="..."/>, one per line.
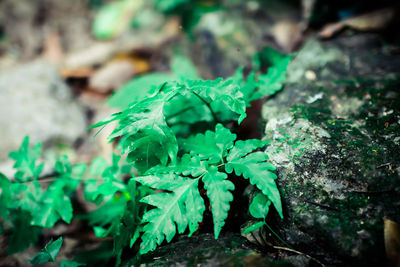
<point x="35" y="101"/>
<point x="337" y="153"/>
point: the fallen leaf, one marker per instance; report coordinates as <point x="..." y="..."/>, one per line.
<point x="117" y="72"/>
<point x="372" y="21"/>
<point x="392" y="242"/>
<point x="288" y="35"/>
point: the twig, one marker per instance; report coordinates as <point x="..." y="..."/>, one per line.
<point x="390" y="191"/>
<point x="320" y="205"/>
<point x="45" y="178"/>
<point x="300" y="253"/>
<point x="383" y="165"/>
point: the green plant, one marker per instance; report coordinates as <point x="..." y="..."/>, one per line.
<point x="176" y="138"/>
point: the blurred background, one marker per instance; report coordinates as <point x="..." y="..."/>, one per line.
<point x="61" y="60"/>
<point x="65" y="65"/>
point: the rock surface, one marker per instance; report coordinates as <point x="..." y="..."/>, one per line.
<point x="204" y="250"/>
<point x="335" y="132"/>
<point x="35" y="101"/>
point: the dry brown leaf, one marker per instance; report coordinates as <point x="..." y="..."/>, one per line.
<point x="117" y="72"/>
<point x="79" y="73"/>
<point x="288" y="35"/>
<point x="392" y="242"/>
<point x="373" y="21"/>
<point x="96" y="54"/>
<point x="111" y="76"/>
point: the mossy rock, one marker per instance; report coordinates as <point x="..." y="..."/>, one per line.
<point x="335" y="132"/>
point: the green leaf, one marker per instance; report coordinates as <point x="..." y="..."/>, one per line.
<point x="212" y="146"/>
<point x="253" y="227"/>
<point x="113" y="18"/>
<point x="221" y="94"/>
<point x="184" y="68"/>
<point x="23" y="234"/>
<point x="255" y="167"/>
<point x="242" y="148"/>
<point x="259" y="207"/>
<point x="218" y="192"/>
<point x="51" y="205"/>
<point x="191" y="165"/>
<point x="138" y="89"/>
<point x="107" y="213"/>
<point x="67" y="263"/>
<point x="143" y="124"/>
<point x="183" y="207"/>
<point x="168" y="5"/>
<point x="5" y="196"/>
<point x="25" y="161"/>
<point x="48" y="253"/>
<point x="273" y="80"/>
<point x="69" y="174"/>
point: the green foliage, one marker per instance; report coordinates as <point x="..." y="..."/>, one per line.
<point x="113" y="18"/>
<point x="140" y="87"/>
<point x="175" y="137"/>
<point x="25" y="161"/>
<point x="48" y="253"/>
<point x="169" y="5"/>
<point x="210" y="157"/>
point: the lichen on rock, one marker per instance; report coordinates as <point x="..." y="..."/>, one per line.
<point x="333" y="139"/>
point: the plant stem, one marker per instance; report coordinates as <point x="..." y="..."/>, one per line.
<point x="300" y="253"/>
<point x="178" y="113"/>
<point x="208" y="106"/>
<point x="280" y="239"/>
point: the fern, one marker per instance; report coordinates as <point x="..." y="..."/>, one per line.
<point x="180" y="202"/>
<point x="180" y="165"/>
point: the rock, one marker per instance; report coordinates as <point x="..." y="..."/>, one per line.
<point x="204" y="250"/>
<point x="335" y="141"/>
<point x="35" y="101"/>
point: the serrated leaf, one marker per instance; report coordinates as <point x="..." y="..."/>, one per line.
<point x="191" y="165"/>
<point x="272" y="81"/>
<point x="54" y="205"/>
<point x="212" y="146"/>
<point x="69" y="174"/>
<point x="25" y="161"/>
<point x="220" y="91"/>
<point x="242" y="148"/>
<point x="141" y="120"/>
<point x="183" y="207"/>
<point x="138" y="88"/>
<point x="218" y="192"/>
<point x="259" y="207"/>
<point x="252" y="227"/>
<point x="255" y="168"/>
<point x="48" y="253"/>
